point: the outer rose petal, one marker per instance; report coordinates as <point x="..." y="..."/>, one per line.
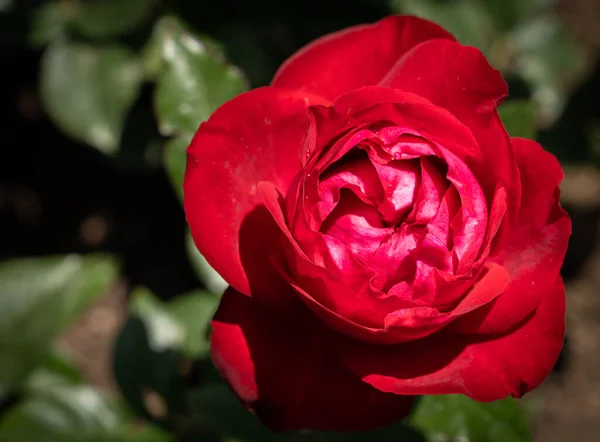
<point x="254" y="137"/>
<point x="486" y="370"/>
<point x="285" y="369"/>
<point x="355" y="57"/>
<point x="535" y="248"/>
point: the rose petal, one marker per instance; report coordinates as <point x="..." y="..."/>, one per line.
<point x="471" y="89"/>
<point x="356" y="225"/>
<point x="484" y="369"/>
<point x="285" y="368"/>
<point x="251" y="138"/>
<point x="358" y="56"/>
<point x="356" y="174"/>
<point x="535" y="248"/>
<point x="400" y="180"/>
<point x="430" y="194"/>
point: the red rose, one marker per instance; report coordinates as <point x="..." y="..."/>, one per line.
<point x="383" y="235"/>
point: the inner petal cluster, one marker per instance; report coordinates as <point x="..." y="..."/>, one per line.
<point x="399" y="210"/>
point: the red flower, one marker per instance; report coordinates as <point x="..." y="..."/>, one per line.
<point x="383" y="235"/>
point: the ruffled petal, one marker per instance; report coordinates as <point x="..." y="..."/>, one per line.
<point x="486" y="369"/>
<point x="471" y="89"/>
<point x="536" y="246"/>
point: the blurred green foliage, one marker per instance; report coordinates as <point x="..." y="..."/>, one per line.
<point x="98" y="58"/>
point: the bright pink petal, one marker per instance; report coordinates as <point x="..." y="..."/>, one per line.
<point x="430" y="194"/>
<point x="356" y="174"/>
<point x="354" y="57"/>
<point x="535" y="249"/>
<point x="356" y="225"/>
<point x="251" y="138"/>
<point x="400" y="180"/>
<point x="484" y="369"/>
<point x="285" y="368"/>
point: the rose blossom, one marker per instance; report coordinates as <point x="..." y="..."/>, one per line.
<point x="382" y="235"/>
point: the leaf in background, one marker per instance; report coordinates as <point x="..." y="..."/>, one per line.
<point x="193" y="82"/>
<point x="49" y="21"/>
<point x="151" y="351"/>
<point x="469" y="21"/>
<point x="550" y="60"/>
<point x="211" y="279"/>
<point x="56" y="367"/>
<point x="152" y="53"/>
<point x="508" y="13"/>
<point x="400" y="433"/>
<point x="149" y="381"/>
<point x="40" y="297"/>
<point x="175" y="159"/>
<point x="180" y="324"/>
<point x="519" y="117"/>
<point x="6" y="5"/>
<point x="216" y="406"/>
<point x="62" y="414"/>
<point x="194" y="311"/>
<point x="457" y="416"/>
<point x="58" y="412"/>
<point x="110" y="18"/>
<point x="87" y="90"/>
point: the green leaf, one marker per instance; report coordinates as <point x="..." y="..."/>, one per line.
<point x="549" y="59"/>
<point x="62" y="414"/>
<point x="175" y="160"/>
<point x="469" y="21"/>
<point x="56" y="369"/>
<point x="49" y="21"/>
<point x="148" y="379"/>
<point x="180" y="324"/>
<point x="509" y="13"/>
<point x="6" y="5"/>
<point x="193" y="82"/>
<point x="519" y="117"/>
<point x="194" y="311"/>
<point x="58" y="412"/>
<point x="155" y="344"/>
<point x="457" y="416"/>
<point x="40" y="297"/>
<point x="88" y="90"/>
<point x="110" y="18"/>
<point x="211" y="279"/>
<point x="152" y="54"/>
<point x="215" y="406"/>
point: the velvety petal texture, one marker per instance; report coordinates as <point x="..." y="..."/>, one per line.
<point x="383" y="235"/>
<point x="254" y="137"/>
<point x="355" y="57"/>
<point x="287" y="370"/>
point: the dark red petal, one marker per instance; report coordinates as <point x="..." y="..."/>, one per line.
<point x="251" y="138"/>
<point x="484" y="369"/>
<point x="460" y="79"/>
<point x="286" y="369"/>
<point x="534" y="251"/>
<point x="354" y="57"/>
